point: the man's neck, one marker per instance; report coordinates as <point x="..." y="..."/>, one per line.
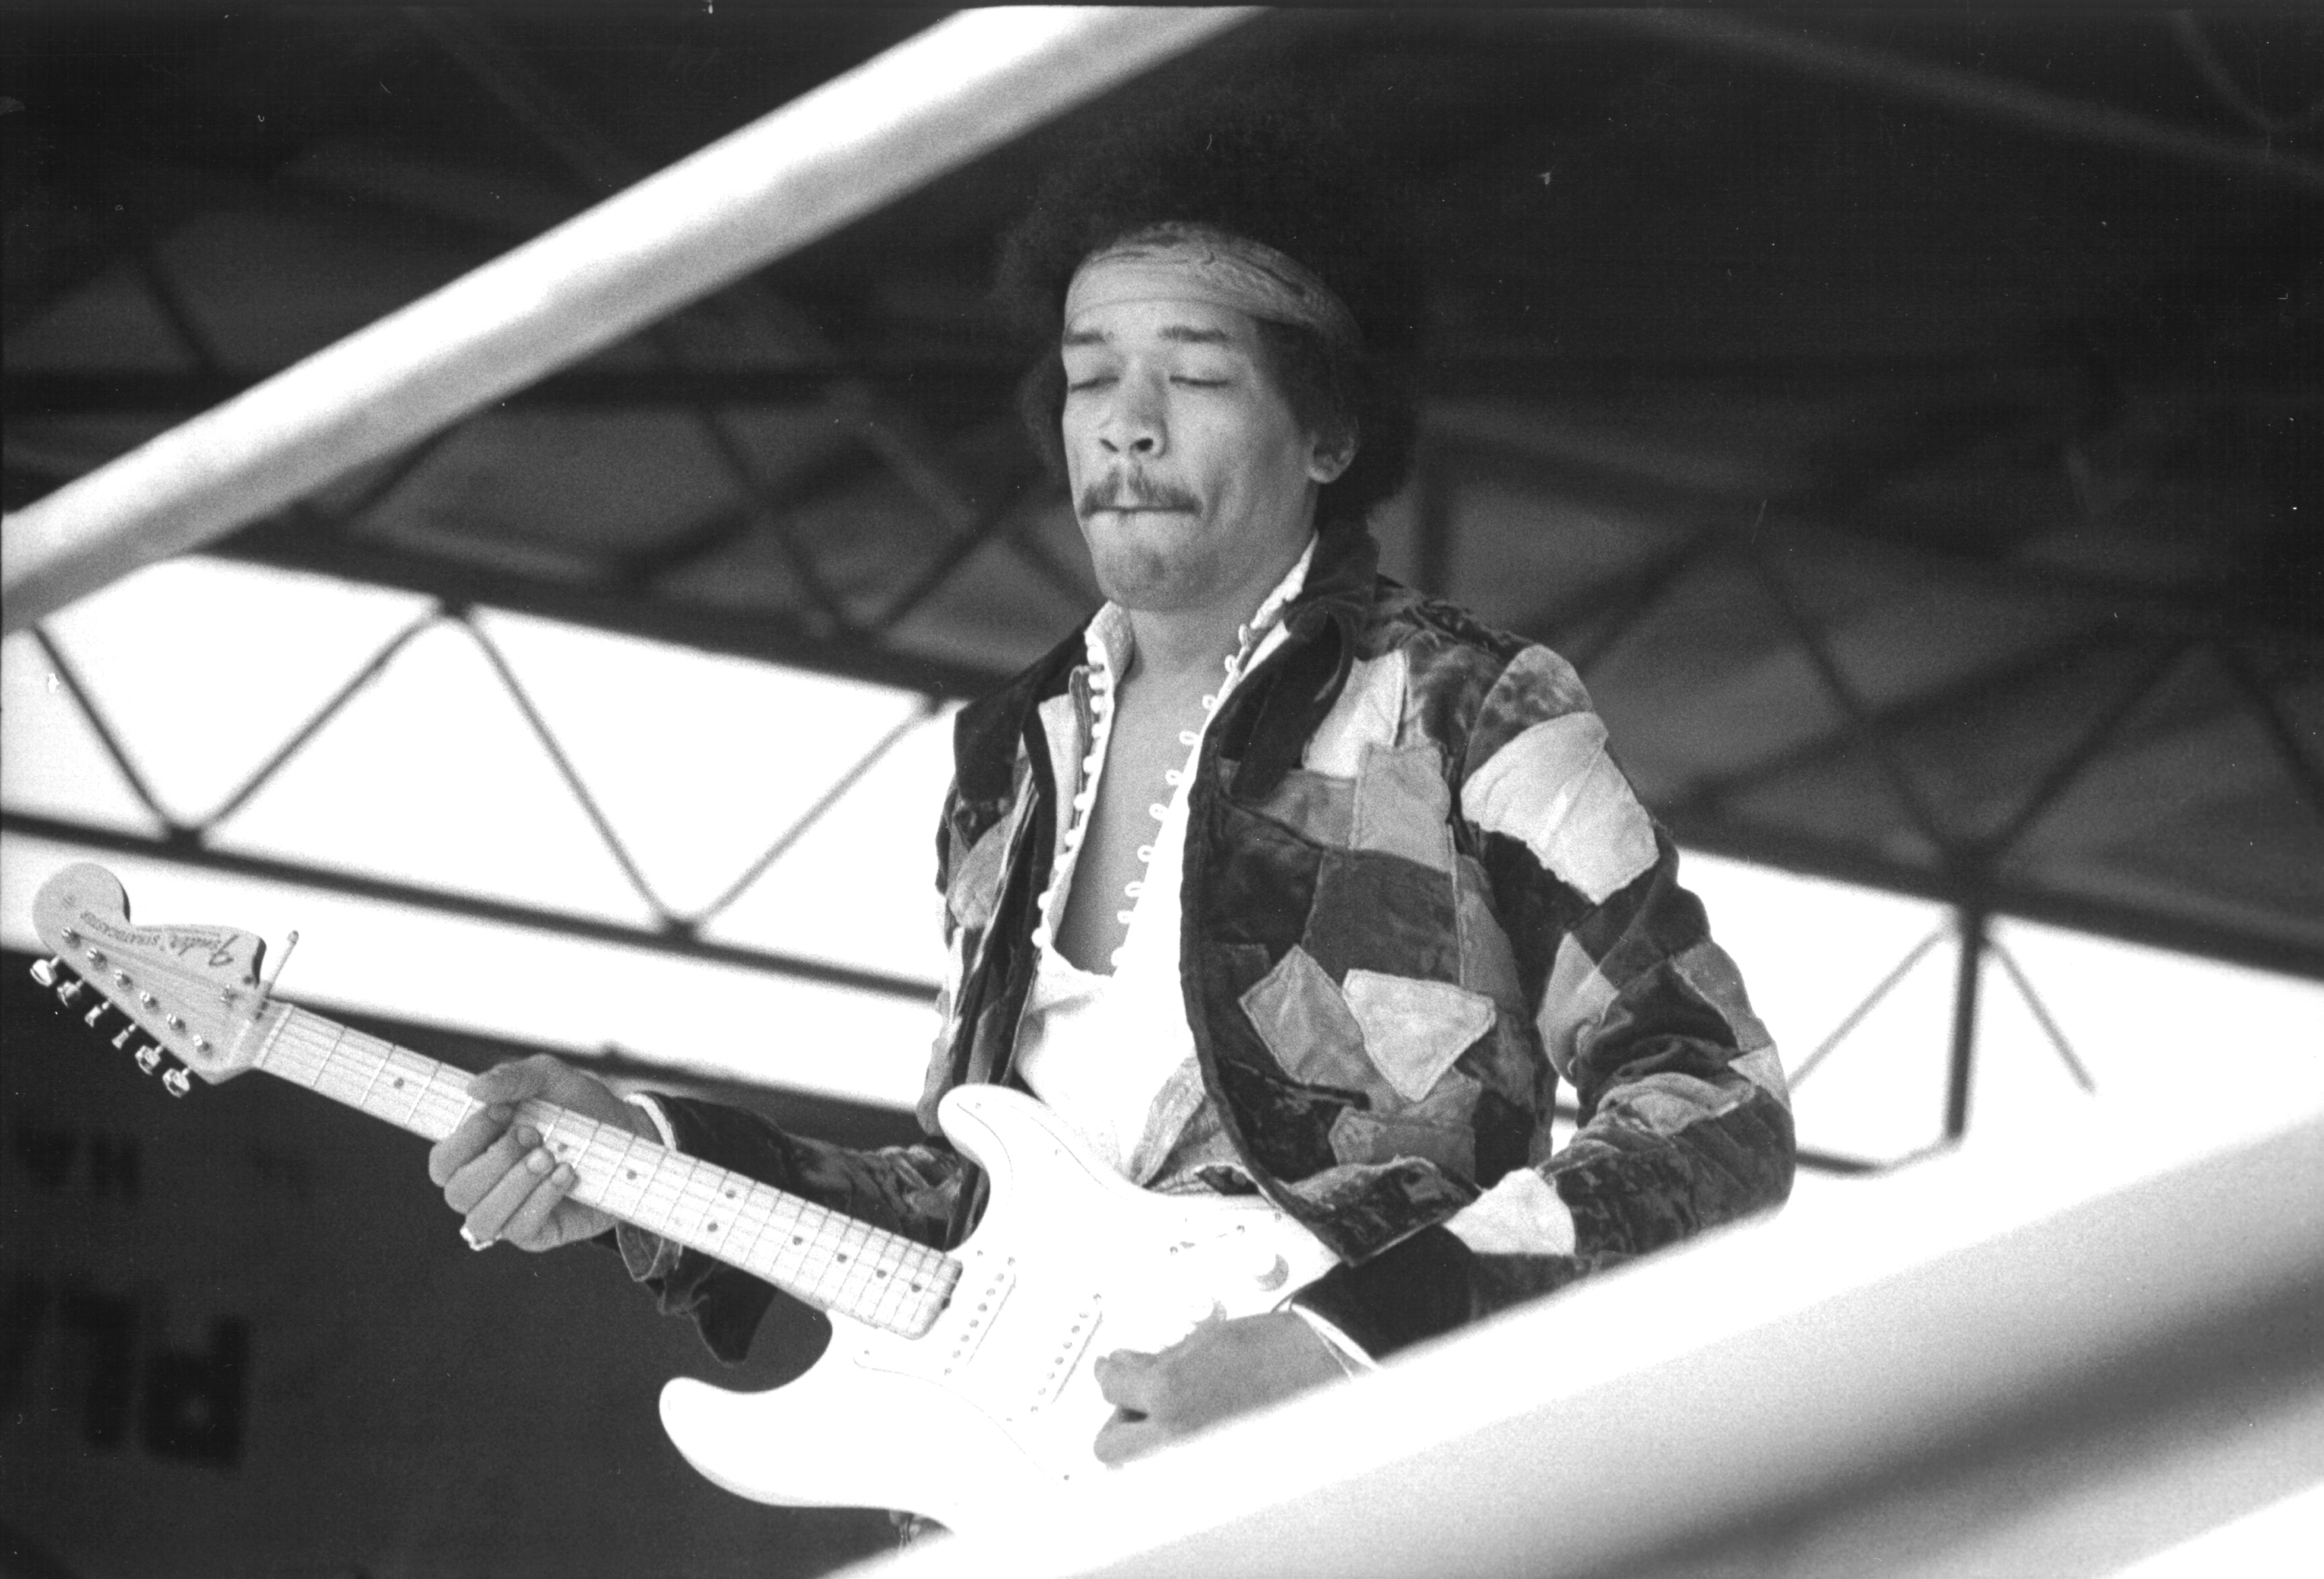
<point x="1176" y="647"/>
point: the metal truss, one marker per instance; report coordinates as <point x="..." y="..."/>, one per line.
<point x="673" y="932"/>
<point x="1965" y="878"/>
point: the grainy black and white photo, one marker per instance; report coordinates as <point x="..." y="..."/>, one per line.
<point x="1061" y="790"/>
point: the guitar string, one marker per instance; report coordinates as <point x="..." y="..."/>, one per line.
<point x="313" y="1051"/>
<point x="830" y="1242"/>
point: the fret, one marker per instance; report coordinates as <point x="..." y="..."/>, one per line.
<point x="626" y="1169"/>
<point x="808" y="1250"/>
<point x="758" y="1207"/>
<point x="669" y="1186"/>
<point x="855" y="1281"/>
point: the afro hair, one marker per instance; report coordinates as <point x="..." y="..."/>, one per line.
<point x="1264" y="165"/>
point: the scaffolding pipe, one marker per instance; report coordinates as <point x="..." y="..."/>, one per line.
<point x="852" y="145"/>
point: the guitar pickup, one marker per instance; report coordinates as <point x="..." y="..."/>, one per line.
<point x="977" y="1300"/>
<point x="1065" y="1353"/>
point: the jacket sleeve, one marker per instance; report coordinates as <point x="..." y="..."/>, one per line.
<point x="912" y="1190"/>
<point x="1684" y="1119"/>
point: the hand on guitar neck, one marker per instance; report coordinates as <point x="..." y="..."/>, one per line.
<point x="500" y="1178"/>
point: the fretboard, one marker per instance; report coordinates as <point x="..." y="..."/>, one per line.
<point x="834" y="1262"/>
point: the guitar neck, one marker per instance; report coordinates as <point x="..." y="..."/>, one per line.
<point x="833" y="1262"/>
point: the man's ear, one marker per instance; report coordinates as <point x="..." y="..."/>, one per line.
<point x="1331" y="454"/>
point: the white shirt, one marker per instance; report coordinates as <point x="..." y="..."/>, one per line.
<point x="1113" y="1054"/>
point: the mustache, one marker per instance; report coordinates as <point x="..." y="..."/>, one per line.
<point x="1133" y="491"/>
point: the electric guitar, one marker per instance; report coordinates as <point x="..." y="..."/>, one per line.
<point x="957" y="1385"/>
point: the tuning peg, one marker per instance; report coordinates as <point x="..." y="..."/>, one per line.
<point x="44" y="970"/>
<point x="176" y="1084"/>
<point x="121" y="1040"/>
<point x="68" y="991"/>
<point x="95" y="1012"/>
<point x="149" y="1057"/>
<point x="93" y="955"/>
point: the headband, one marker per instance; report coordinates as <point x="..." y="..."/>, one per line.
<point x="1194" y="263"/>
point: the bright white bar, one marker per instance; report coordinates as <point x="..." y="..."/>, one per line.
<point x="1718" y="1389"/>
<point x="933" y="103"/>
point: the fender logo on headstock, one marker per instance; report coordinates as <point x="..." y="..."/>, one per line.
<point x="216" y="945"/>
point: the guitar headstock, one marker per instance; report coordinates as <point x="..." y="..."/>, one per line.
<point x="194" y="990"/>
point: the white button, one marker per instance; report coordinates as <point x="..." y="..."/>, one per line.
<point x="1158" y="812"/>
<point x="1134" y="887"/>
<point x="1145" y="853"/>
<point x="1210" y="704"/>
<point x="1171" y="776"/>
<point x="1123" y="916"/>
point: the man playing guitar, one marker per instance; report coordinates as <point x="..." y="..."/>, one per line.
<point x="1276" y="877"/>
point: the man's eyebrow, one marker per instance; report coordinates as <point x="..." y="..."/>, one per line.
<point x="1178" y="333"/>
<point x="1188" y="334"/>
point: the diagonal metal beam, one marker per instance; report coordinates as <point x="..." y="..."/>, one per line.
<point x="2306" y="777"/>
<point x="1865" y="1006"/>
<point x="2086" y="751"/>
<point x="806" y="821"/>
<point x="2042" y="1017"/>
<point x="1863" y="720"/>
<point x="102" y="727"/>
<point x="897" y="437"/>
<point x="1959" y="695"/>
<point x="331" y="708"/>
<point x="767" y="636"/>
<point x="574" y="784"/>
<point x="1974" y="93"/>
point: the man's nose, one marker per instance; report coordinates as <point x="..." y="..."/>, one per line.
<point x="1132" y="425"/>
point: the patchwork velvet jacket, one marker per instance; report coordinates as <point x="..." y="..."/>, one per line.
<point x="1418" y="895"/>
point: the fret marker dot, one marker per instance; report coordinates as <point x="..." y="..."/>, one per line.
<point x="710" y="1228"/>
<point x="399" y="1083"/>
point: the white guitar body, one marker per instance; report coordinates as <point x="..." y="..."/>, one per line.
<point x="993" y="1411"/>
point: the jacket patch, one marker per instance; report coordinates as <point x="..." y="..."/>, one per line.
<point x="1320" y="808"/>
<point x="1438" y="1130"/>
<point x="1535" y="684"/>
<point x="1520" y="1215"/>
<point x="1764" y="1069"/>
<point x="1554" y="788"/>
<point x="1300" y="1015"/>
<point x="1265" y="884"/>
<point x="1413" y="1031"/>
<point x="1382" y="913"/>
<point x="1577" y="995"/>
<point x="1706" y="968"/>
<point x="1402" y="806"/>
<point x="1489" y="964"/>
<point x="976" y="880"/>
<point x="1370" y="709"/>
